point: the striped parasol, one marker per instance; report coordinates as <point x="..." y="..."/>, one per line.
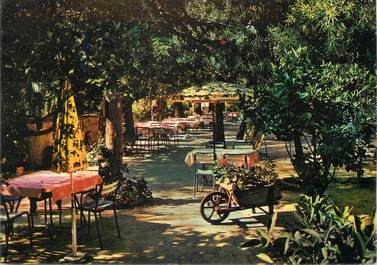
<point x="213" y="92"/>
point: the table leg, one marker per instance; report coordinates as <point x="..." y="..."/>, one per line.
<point x="33" y="208"/>
<point x="51" y="221"/>
<point x="59" y="204"/>
<point x="45" y="210"/>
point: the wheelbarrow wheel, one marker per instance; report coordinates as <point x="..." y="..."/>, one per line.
<point x="213" y="207"/>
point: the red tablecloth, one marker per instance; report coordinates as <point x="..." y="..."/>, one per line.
<point x="33" y="185"/>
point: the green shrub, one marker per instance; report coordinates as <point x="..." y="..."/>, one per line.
<point x="324" y="234"/>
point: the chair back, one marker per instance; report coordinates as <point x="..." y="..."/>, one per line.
<point x="106" y="189"/>
<point x="159" y="132"/>
<point x="236" y="159"/>
<point x="258" y="140"/>
<point x="203" y="159"/>
<point x="250" y="131"/>
<point x="4" y="207"/>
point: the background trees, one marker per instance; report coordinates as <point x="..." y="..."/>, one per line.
<point x="309" y="65"/>
<point x="321" y="88"/>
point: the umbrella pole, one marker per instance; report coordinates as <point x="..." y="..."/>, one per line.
<point x="73" y="221"/>
<point x="75" y="257"/>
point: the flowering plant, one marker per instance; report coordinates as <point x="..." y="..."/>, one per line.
<point x="261" y="174"/>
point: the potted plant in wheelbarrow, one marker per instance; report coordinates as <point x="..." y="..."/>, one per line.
<point x="240" y="189"/>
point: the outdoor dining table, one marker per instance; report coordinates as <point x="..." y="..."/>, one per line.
<point x="187" y="122"/>
<point x="253" y="155"/>
<point x="50" y="185"/>
<point x="155" y="129"/>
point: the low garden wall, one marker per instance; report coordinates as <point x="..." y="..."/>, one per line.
<point x="40" y="147"/>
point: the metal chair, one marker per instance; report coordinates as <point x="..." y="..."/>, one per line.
<point x="7" y="218"/>
<point x="98" y="203"/>
<point x="143" y="140"/>
<point x="161" y="137"/>
<point x="202" y="165"/>
<point x="13" y="203"/>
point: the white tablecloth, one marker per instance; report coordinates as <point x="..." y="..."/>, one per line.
<point x="251" y="153"/>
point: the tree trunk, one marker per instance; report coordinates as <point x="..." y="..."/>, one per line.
<point x="299" y="151"/>
<point x="298" y="158"/>
<point x="129" y="120"/>
<point x="180" y="110"/>
<point x="219" y="125"/>
<point x="241" y="130"/>
<point x="313" y="180"/>
<point x="114" y="115"/>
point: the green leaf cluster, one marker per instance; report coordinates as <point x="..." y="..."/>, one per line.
<point x="262" y="174"/>
<point x="324" y="234"/>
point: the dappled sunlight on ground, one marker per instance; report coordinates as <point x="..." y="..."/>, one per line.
<point x="170" y="229"/>
<point x="284" y="167"/>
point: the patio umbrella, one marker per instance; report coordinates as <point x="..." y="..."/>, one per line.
<point x="69" y="152"/>
<point x="212" y="92"/>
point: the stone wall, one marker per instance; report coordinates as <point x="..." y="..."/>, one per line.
<point x="40" y="147"/>
<point x="89" y="124"/>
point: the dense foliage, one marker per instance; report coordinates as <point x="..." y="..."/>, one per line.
<point x="321" y="89"/>
<point x="324" y="234"/>
<point x="310" y="65"/>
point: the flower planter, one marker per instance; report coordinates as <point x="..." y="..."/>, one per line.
<point x="258" y="196"/>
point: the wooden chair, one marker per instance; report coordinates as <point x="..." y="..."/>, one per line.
<point x="250" y="134"/>
<point x="258" y="142"/>
<point x="98" y="203"/>
<point x="203" y="172"/>
<point x="248" y="138"/>
<point x="7" y="218"/>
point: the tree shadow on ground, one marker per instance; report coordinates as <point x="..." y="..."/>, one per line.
<point x="164" y="168"/>
<point x="161" y="243"/>
<point x="171" y="201"/>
